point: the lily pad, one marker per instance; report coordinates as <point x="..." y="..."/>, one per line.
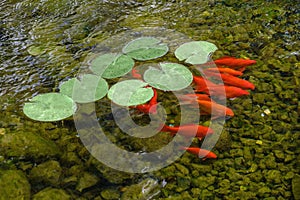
<point x="49" y="107"/>
<point x="130" y="93"/>
<point x="196" y="52"/>
<point x="100" y="63"/>
<point x="171" y="77"/>
<point x="90" y="88"/>
<point x="36" y="50"/>
<point x="145" y="48"/>
<point x="112" y="65"/>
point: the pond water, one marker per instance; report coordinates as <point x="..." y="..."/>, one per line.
<point x="44" y="43"/>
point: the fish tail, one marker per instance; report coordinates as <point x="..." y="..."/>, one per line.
<point x="164" y="128"/>
<point x="199" y="138"/>
<point x="183" y="148"/>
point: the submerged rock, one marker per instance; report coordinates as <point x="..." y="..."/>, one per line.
<point x="110" y="194"/>
<point x="52" y="194"/>
<point x="146" y="189"/>
<point x="111" y="175"/>
<point x="296" y="186"/>
<point x="48" y="173"/>
<point x="87" y="180"/>
<point x="14" y="185"/>
<point x="28" y="145"/>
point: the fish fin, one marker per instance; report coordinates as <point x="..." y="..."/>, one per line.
<point x="224" y="57"/>
<point x="163" y="128"/>
<point x="242" y="69"/>
<point x="172" y="134"/>
<point x="153" y="108"/>
<point x="183" y="148"/>
<point x="199" y="138"/>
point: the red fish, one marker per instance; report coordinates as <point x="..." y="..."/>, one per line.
<point x="202" y="83"/>
<point x="201" y="153"/>
<point x="224" y="70"/>
<point x="206" y="108"/>
<point x="241" y="69"/>
<point x="191" y="97"/>
<point x="219" y="110"/>
<point x="188" y="130"/>
<point x="234" y="81"/>
<point x="135" y="74"/>
<point x="234" y="62"/>
<point x="149" y="107"/>
<point x="228" y="91"/>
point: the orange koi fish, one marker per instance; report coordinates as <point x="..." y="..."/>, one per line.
<point x="241" y="69"/>
<point x="149" y="107"/>
<point x="201" y="153"/>
<point x="202" y="84"/>
<point x="224" y="70"/>
<point x="234" y="81"/>
<point x="219" y="110"/>
<point x="135" y="74"/>
<point x="191" y="97"/>
<point x="188" y="130"/>
<point x="234" y="62"/>
<point x="228" y="91"/>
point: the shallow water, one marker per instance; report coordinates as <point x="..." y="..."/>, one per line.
<point x="44" y="43"/>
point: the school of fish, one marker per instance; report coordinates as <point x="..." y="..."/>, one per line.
<point x="228" y="69"/>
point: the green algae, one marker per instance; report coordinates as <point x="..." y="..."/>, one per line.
<point x="111" y="175"/>
<point x="29" y="145"/>
<point x="14" y="185"/>
<point x="295" y="186"/>
<point x="46" y="173"/>
<point x="86" y="180"/>
<point x="110" y="194"/>
<point x="52" y="193"/>
<point x="145" y="189"/>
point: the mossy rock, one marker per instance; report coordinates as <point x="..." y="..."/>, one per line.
<point x="14" y="185"/>
<point x="28" y="145"/>
<point x="273" y="176"/>
<point x="110" y="194"/>
<point x="296" y="186"/>
<point x="52" y="194"/>
<point x="203" y="182"/>
<point x="242" y="195"/>
<point x="111" y="175"/>
<point x="224" y="141"/>
<point x="48" y="173"/>
<point x="86" y="180"/>
<point x="146" y="189"/>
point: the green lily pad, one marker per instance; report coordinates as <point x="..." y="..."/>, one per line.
<point x="49" y="107"/>
<point x="112" y="65"/>
<point x="36" y="50"/>
<point x="90" y="88"/>
<point x="171" y="77"/>
<point x="100" y="63"/>
<point x="130" y="93"/>
<point x="145" y="48"/>
<point x="196" y="52"/>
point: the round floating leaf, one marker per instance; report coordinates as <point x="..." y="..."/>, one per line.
<point x="196" y="52"/>
<point x="112" y="65"/>
<point x="49" y="107"/>
<point x="145" y="48"/>
<point x="100" y="63"/>
<point x="36" y="50"/>
<point x="171" y="77"/>
<point x="90" y="88"/>
<point x="130" y="93"/>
